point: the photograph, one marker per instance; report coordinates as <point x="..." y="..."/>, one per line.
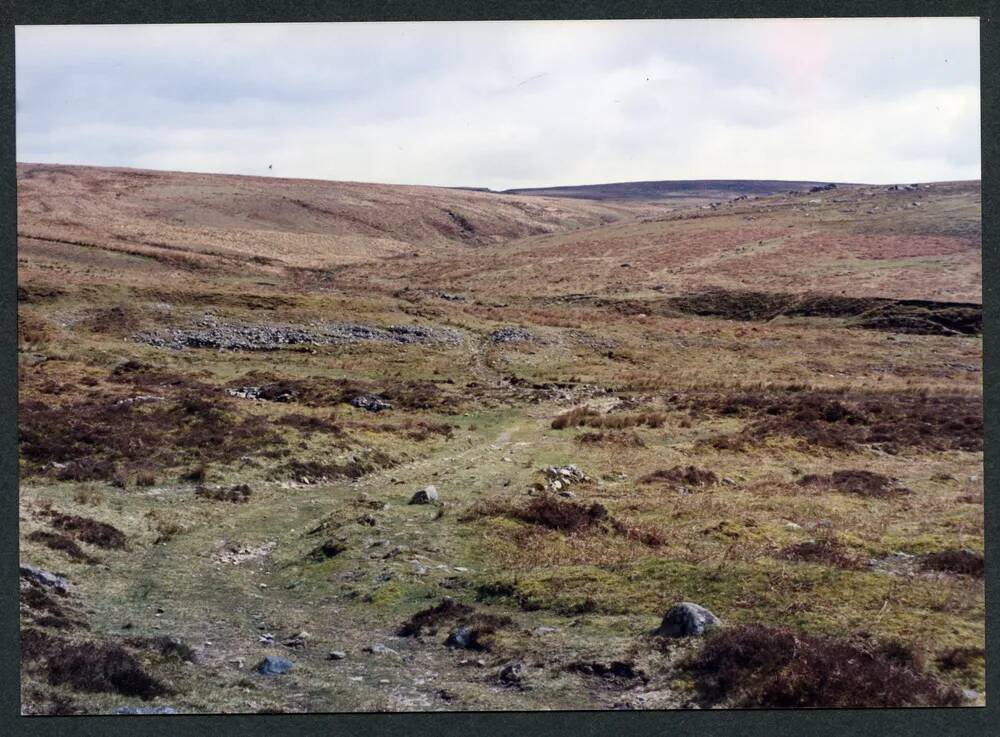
<point x="499" y="366"/>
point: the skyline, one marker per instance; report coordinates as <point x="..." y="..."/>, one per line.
<point x="504" y="105"/>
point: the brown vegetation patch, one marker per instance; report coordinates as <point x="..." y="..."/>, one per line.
<point x="587" y="417"/>
<point x="166" y="647"/>
<point x="94" y="436"/>
<point x="845" y="419"/>
<point x="99" y="534"/>
<point x="682" y="476"/>
<point x="36" y="293"/>
<point x="827" y="552"/>
<point x="862" y="483"/>
<point x="45" y="611"/>
<point x="418" y="430"/>
<point x="758" y="666"/>
<point x="239" y="494"/>
<point x="555" y="514"/>
<point x="154" y="380"/>
<point x="100" y="667"/>
<point x="568" y="517"/>
<point x="959" y="658"/>
<point x="111" y="320"/>
<point x="309" y="424"/>
<point x="620" y="438"/>
<point x="354" y="468"/>
<point x="428" y="620"/>
<point x="961" y="562"/>
<point x="617" y="674"/>
<point x="317" y="391"/>
<point x="900" y="316"/>
<point x="32" y="330"/>
<point x="62" y="543"/>
<point x="471" y="629"/>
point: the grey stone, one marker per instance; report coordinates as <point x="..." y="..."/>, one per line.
<point x="426" y="495"/>
<point x="45" y="578"/>
<point x="687" y="620"/>
<point x="336" y="655"/>
<point x="510" y="335"/>
<point x="379" y="649"/>
<point x="242" y="337"/>
<point x="273" y="666"/>
<point x="369" y="403"/>
<point x="511" y="674"/>
<point x="462" y="637"/>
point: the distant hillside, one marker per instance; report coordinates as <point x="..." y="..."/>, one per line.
<point x="292" y="221"/>
<point x="684" y="190"/>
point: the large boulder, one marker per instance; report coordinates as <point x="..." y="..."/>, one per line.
<point x="686" y="620"/>
<point x="427" y="495"/>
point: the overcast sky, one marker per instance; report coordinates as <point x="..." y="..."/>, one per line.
<point x="510" y="104"/>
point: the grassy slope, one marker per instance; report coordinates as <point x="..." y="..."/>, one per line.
<point x="600" y="591"/>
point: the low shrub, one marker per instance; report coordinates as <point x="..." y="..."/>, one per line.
<point x="759" y="666"/>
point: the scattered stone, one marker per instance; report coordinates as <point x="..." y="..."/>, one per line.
<point x="336" y="655"/>
<point x="558" y="478"/>
<point x="511" y="674"/>
<point x="369" y="403"/>
<point x="241" y="337"/>
<point x="686" y="620"/>
<point x="297" y="641"/>
<point x="273" y="666"/>
<point x="45" y="578"/>
<point x="461" y="637"/>
<point x="426" y="495"/>
<point x="510" y="335"/>
<point x="379" y="649"/>
<point x="256" y="393"/>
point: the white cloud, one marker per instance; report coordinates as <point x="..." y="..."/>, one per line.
<point x="510" y="104"/>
